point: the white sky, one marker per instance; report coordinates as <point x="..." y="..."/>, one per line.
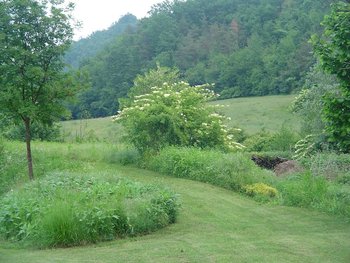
<point x="100" y="14"/>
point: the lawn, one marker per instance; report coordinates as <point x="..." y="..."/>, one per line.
<point x="214" y="225"/>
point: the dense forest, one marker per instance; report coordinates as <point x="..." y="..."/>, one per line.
<point x="89" y="47"/>
<point x="245" y="47"/>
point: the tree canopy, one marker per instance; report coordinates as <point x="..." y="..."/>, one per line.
<point x="333" y="51"/>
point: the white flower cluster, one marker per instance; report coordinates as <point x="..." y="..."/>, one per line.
<point x="186" y="105"/>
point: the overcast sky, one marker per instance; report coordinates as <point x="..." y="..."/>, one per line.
<point x="100" y="14"/>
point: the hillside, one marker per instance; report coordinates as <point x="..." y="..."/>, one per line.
<point x="86" y="48"/>
<point x="247" y="48"/>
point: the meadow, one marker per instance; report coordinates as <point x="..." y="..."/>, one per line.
<point x="252" y="115"/>
<point x="307" y="220"/>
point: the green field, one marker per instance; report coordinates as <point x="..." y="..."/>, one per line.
<point x="92" y="129"/>
<point x="250" y="114"/>
<point x="256" y="113"/>
<point x="214" y="225"/>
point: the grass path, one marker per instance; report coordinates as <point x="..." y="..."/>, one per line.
<point x="215" y="225"/>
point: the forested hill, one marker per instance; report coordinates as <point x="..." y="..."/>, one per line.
<point x="86" y="48"/>
<point x="245" y="47"/>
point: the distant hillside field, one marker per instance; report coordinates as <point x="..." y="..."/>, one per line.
<point x="250" y="114"/>
<point x="256" y="113"/>
<point x="102" y="129"/>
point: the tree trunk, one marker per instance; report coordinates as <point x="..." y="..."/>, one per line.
<point x="29" y="150"/>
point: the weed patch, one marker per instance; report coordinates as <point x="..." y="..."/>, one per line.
<point x="309" y="191"/>
<point x="63" y="210"/>
<point x="231" y="171"/>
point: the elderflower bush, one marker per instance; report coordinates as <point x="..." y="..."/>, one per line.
<point x="176" y="114"/>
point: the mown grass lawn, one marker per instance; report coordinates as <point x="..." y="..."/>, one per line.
<point x="214" y="225"/>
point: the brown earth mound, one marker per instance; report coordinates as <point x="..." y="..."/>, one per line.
<point x="281" y="166"/>
<point x="286" y="168"/>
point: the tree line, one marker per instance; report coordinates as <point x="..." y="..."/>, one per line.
<point x="247" y="48"/>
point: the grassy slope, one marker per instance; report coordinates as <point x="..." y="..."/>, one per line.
<point x="256" y="113"/>
<point x="251" y="114"/>
<point x="102" y="128"/>
<point x="215" y="225"/>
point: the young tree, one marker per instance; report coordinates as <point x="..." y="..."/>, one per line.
<point x="333" y="50"/>
<point x="34" y="34"/>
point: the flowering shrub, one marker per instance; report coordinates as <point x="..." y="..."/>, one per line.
<point x="260" y="189"/>
<point x="176" y="114"/>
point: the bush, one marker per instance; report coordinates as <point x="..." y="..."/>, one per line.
<point x="175" y="114"/>
<point x="231" y="171"/>
<point x="260" y="189"/>
<point x="282" y="140"/>
<point x="67" y="209"/>
<point x="258" y="142"/>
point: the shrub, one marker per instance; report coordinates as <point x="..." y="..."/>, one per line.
<point x="175" y="114"/>
<point x="282" y="140"/>
<point x="68" y="209"/>
<point x="231" y="171"/>
<point x="258" y="142"/>
<point x="260" y="189"/>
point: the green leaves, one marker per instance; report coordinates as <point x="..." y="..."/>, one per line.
<point x="32" y="43"/>
<point x="333" y="47"/>
<point x="174" y="114"/>
<point x="333" y="50"/>
<point x="70" y="209"/>
<point x="33" y="86"/>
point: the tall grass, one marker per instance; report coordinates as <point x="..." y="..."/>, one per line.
<point x="67" y="209"/>
<point x="329" y="165"/>
<point x="316" y="192"/>
<point x="231" y="171"/>
<point x="92" y="130"/>
<point x="49" y="157"/>
<point x="237" y="172"/>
